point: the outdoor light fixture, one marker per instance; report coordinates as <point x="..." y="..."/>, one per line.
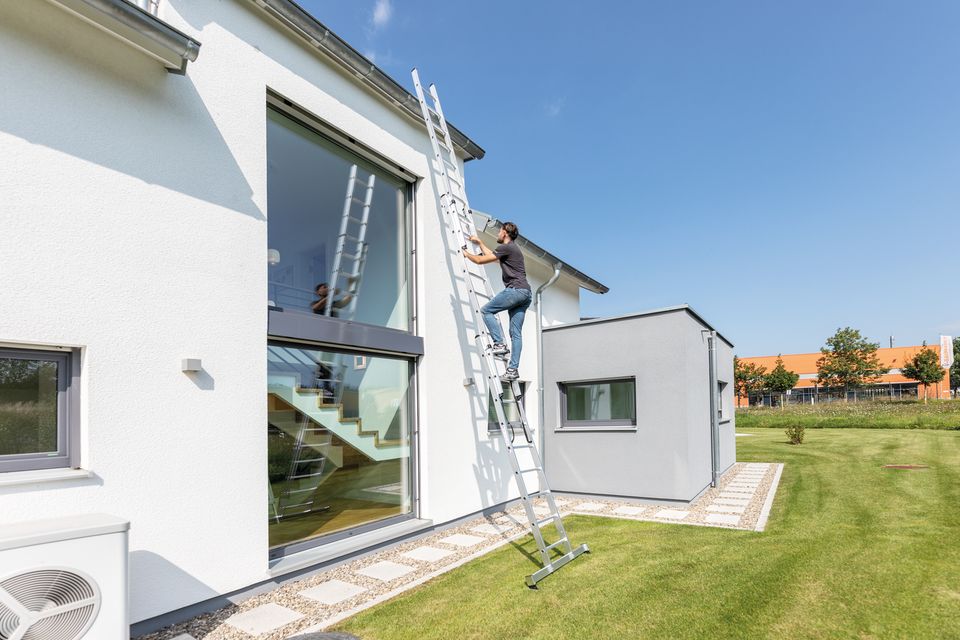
<point x="273" y="257"/>
<point x="191" y="365"/>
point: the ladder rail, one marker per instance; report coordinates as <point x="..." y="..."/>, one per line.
<point x="455" y="204"/>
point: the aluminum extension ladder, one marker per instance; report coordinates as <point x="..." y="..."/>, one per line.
<point x="456" y="209"/>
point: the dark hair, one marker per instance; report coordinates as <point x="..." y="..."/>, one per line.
<point x="322" y="284"/>
<point x="511" y="230"/>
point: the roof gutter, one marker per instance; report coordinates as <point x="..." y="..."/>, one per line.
<point x="539" y="252"/>
<point x="318" y="36"/>
<point x="138" y="28"/>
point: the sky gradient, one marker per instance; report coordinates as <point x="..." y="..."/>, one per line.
<point x="784" y="168"/>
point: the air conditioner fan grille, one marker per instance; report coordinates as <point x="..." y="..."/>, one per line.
<point x="47" y="604"/>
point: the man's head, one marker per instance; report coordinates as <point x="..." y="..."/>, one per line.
<point x="508" y="233"/>
<point x="322" y="289"/>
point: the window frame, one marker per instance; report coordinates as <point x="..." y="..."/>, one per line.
<point x="67" y="455"/>
<point x="281" y="551"/>
<point x="566" y="423"/>
<point x="384" y="339"/>
<point x="290" y="328"/>
<point x="493" y="429"/>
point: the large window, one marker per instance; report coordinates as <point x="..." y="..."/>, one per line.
<point x="339" y="442"/>
<point x="342" y="345"/>
<point x="599" y="403"/>
<point x="337" y="230"/>
<point x="36" y="410"/>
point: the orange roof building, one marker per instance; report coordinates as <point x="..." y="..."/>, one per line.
<point x="892" y="384"/>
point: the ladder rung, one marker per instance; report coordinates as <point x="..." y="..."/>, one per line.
<point x="358" y="200"/>
<point x="356" y="219"/>
<point x="537" y="469"/>
<point x="547" y="520"/>
<point x="556" y="544"/>
<point x="538" y="494"/>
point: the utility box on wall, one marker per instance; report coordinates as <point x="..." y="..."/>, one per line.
<point x="627" y="405"/>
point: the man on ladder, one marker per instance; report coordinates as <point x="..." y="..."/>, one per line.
<point x="514" y="299"/>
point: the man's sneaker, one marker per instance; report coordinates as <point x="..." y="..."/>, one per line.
<point x="510" y="375"/>
<point x="499" y="350"/>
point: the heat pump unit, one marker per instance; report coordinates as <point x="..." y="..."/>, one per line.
<point x="64" y="579"/>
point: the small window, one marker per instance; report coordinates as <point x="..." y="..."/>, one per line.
<point x="512" y="413"/>
<point x="35" y="410"/>
<point x="722" y="414"/>
<point x="599" y="403"/>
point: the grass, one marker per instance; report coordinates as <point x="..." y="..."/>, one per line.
<point x="936" y="414"/>
<point x="851" y="550"/>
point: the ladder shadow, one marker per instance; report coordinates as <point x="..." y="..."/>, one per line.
<point x="491" y="469"/>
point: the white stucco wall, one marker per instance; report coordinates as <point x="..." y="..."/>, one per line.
<point x="134" y="216"/>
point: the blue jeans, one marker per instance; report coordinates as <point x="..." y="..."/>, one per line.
<point x="515" y="302"/>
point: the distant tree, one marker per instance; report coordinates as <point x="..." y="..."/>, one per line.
<point x="747" y="378"/>
<point x="780" y="379"/>
<point x="955" y="369"/>
<point x="848" y="360"/>
<point x="924" y="367"/>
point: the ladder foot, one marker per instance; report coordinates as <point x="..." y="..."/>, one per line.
<point x="537" y="576"/>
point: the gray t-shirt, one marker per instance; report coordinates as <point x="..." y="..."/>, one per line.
<point x="511" y="263"/>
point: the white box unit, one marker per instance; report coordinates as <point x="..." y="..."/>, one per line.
<point x="64" y="579"/>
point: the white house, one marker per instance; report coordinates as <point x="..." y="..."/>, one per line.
<point x="172" y="189"/>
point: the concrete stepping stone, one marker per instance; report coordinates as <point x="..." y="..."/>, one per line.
<point x="722" y="518"/>
<point x="739" y="495"/>
<point x="541" y="511"/>
<point x="733" y="501"/>
<point x="332" y="592"/>
<point x="263" y="619"/>
<point x="726" y="508"/>
<point x="386" y="570"/>
<point x="672" y="514"/>
<point x="427" y="554"/>
<point x="491" y="529"/>
<point x="750" y="490"/>
<point x="184" y="636"/>
<point x="462" y="540"/>
<point x="589" y="506"/>
<point x="743" y="485"/>
<point x="629" y="511"/>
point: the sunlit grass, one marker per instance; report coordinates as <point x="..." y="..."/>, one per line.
<point x="936" y="414"/>
<point x="852" y="550"/>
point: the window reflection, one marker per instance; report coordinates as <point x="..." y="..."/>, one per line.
<point x="337" y="233"/>
<point x="339" y="441"/>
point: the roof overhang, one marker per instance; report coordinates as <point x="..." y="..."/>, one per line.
<point x="680" y="308"/>
<point x="296" y="20"/>
<point x="138" y="29"/>
<point x="489" y="223"/>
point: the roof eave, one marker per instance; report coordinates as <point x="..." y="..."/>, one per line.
<point x="537" y="251"/>
<point x="318" y="36"/>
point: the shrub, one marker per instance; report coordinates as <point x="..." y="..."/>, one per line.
<point x="795" y="432"/>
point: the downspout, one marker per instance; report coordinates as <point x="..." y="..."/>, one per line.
<point x="714" y="418"/>
<point x="541" y="404"/>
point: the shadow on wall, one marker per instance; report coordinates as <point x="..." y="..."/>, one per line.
<point x="153" y="579"/>
<point x="253" y="25"/>
<point x="81" y="92"/>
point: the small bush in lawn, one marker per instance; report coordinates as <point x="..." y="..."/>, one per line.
<point x="795" y="433"/>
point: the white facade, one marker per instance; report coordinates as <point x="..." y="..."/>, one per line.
<point x="133" y="204"/>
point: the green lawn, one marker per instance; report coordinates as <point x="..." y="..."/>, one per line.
<point x="936" y="414"/>
<point x="851" y="551"/>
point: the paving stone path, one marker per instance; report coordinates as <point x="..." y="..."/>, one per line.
<point x="741" y="501"/>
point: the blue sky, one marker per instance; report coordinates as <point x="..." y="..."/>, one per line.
<point x="786" y="168"/>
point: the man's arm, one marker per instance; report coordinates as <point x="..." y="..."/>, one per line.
<point x="486" y="256"/>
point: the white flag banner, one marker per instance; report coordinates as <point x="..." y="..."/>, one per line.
<point x="946" y="351"/>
